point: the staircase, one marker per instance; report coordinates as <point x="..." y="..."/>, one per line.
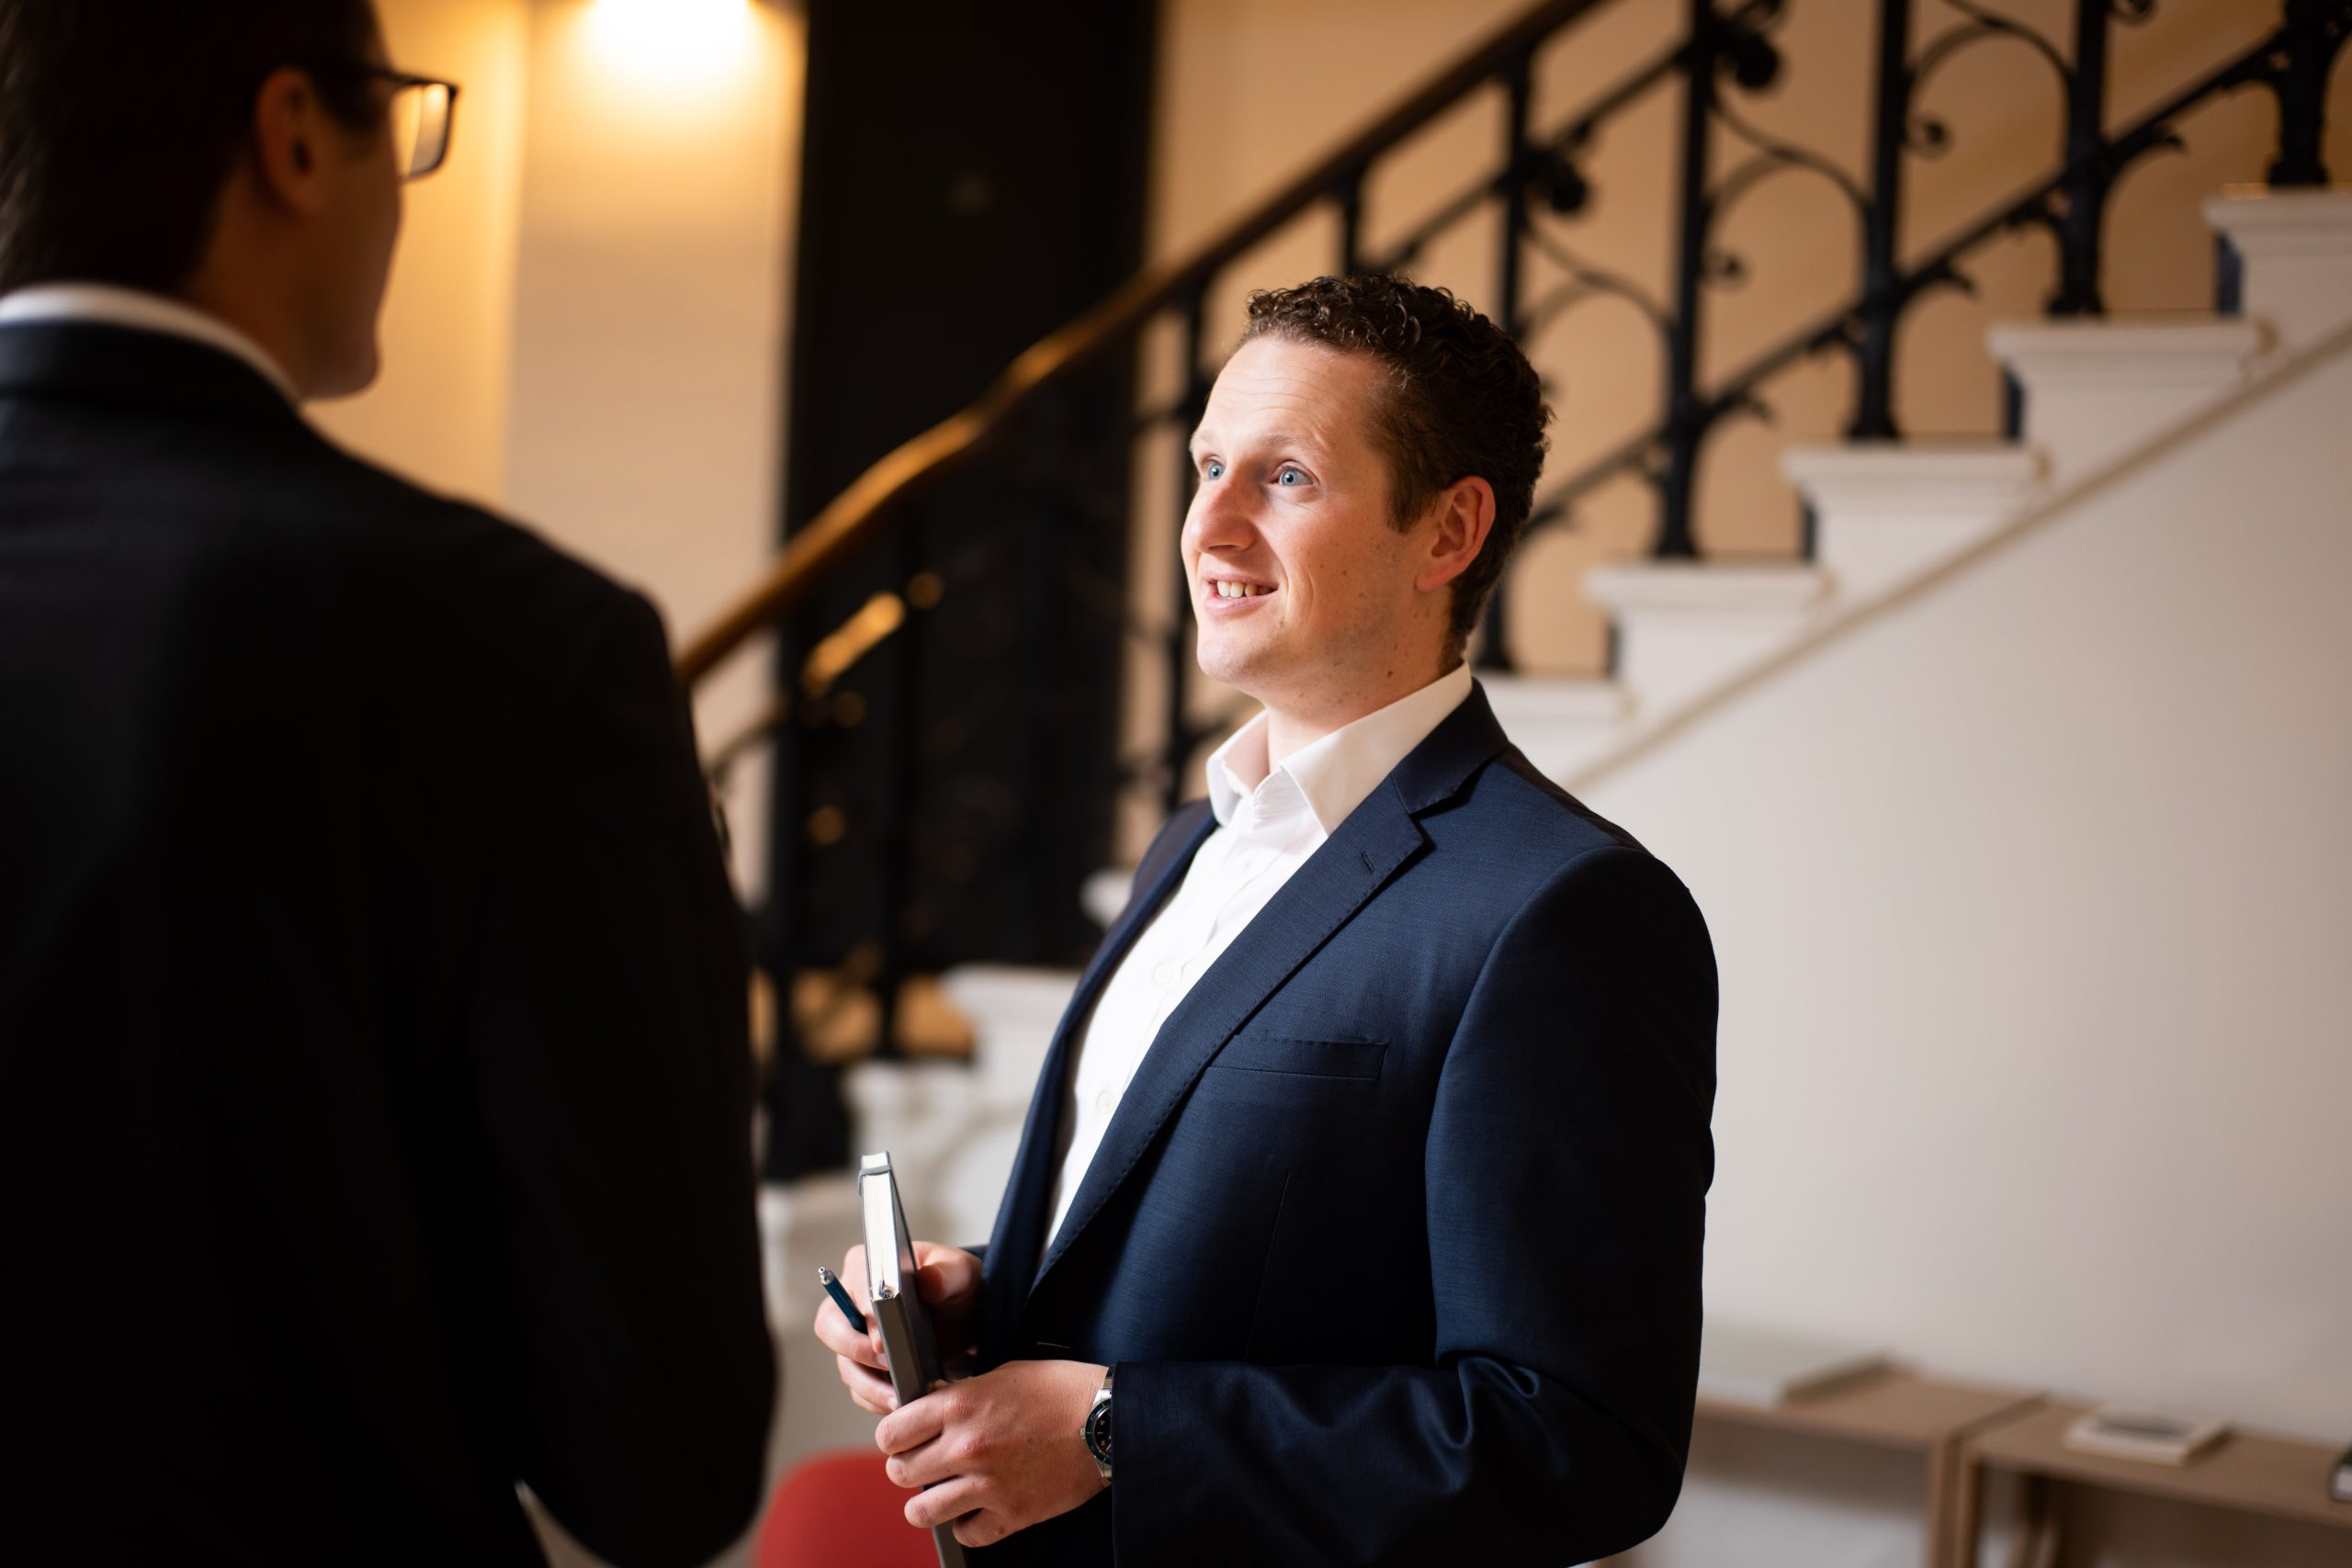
<point x="1886" y="517"/>
<point x="1891" y="516"/>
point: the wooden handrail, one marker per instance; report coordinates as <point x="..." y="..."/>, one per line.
<point x="853" y="516"/>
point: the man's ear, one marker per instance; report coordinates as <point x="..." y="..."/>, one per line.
<point x="1465" y="517"/>
<point x="289" y="143"/>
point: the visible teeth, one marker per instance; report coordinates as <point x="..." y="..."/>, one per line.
<point x="1227" y="589"/>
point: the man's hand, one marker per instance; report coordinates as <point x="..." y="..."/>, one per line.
<point x="949" y="1283"/>
<point x="1000" y="1453"/>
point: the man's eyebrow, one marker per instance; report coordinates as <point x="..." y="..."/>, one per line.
<point x="1277" y="439"/>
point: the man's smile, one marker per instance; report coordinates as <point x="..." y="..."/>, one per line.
<point x="1226" y="595"/>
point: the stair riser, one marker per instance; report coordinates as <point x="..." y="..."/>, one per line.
<point x="2300" y="297"/>
<point x="2294" y="250"/>
<point x="1868" y="554"/>
<point x="1666" y="659"/>
<point x="2080" y="422"/>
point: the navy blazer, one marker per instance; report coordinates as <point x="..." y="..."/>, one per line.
<point x="1393" y="1240"/>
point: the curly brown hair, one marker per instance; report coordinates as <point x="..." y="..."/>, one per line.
<point x="1462" y="403"/>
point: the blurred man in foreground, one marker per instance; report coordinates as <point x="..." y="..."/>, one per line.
<point x="374" y="1092"/>
<point x="1357" y="1219"/>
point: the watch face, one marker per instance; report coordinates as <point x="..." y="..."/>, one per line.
<point x="1098" y="1430"/>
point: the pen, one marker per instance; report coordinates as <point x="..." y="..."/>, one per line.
<point x="841" y="1298"/>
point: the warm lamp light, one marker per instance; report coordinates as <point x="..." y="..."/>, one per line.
<point x="675" y="42"/>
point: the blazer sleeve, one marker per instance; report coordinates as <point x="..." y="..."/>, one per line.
<point x="1566" y="1166"/>
<point x="611" y="1077"/>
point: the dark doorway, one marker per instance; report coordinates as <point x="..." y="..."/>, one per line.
<point x="973" y="179"/>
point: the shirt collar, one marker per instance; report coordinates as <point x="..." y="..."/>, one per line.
<point x="1337" y="772"/>
<point x="111" y="305"/>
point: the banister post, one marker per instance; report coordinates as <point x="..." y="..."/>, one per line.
<point x="1351" y="224"/>
<point x="1519" y="83"/>
<point x="1686" y="420"/>
<point x="1493" y="647"/>
<point x="2316" y="35"/>
<point x="1177" y="749"/>
<point x="2079" y="231"/>
<point x="1883" y="299"/>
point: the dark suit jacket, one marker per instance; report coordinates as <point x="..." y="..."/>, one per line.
<point x="1393" y="1240"/>
<point x="374" y="1101"/>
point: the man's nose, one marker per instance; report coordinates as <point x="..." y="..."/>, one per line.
<point x="1221" y="518"/>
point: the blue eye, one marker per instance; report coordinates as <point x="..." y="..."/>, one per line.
<point x="1290" y="476"/>
<point x="1213" y="469"/>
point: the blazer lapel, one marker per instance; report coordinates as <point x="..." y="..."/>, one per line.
<point x="1352" y="864"/>
<point x="1021" y="1219"/>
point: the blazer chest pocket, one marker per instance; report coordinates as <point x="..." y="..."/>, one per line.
<point x="1301" y="1058"/>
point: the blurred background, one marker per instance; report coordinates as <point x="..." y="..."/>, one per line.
<point x="1941" y="563"/>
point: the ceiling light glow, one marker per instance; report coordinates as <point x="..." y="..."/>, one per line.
<point x="673" y="42"/>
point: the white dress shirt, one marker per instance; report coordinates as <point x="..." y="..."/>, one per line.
<point x="1269" y="820"/>
<point x="111" y="305"/>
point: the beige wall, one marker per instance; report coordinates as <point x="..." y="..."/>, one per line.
<point x="439" y="411"/>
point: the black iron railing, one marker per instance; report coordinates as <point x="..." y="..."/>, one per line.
<point x="1539" y="186"/>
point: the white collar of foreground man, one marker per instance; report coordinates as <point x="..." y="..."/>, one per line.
<point x="108" y="305"/>
<point x="1334" y="775"/>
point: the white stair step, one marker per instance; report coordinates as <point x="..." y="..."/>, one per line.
<point x="1105" y="895"/>
<point x="1686" y="626"/>
<point x="955" y="1129"/>
<point x="2295" y="249"/>
<point x="2096" y="388"/>
<point x="1561" y="724"/>
<point x="1014" y="1013"/>
<point x="1886" y="512"/>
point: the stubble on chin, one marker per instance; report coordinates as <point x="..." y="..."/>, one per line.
<point x="1222" y="661"/>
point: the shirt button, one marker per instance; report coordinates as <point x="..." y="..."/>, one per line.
<point x="1105" y="1101"/>
<point x="1164" y="974"/>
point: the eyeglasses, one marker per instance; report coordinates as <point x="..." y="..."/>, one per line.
<point x="424" y="112"/>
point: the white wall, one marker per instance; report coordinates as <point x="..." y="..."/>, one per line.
<point x="2032" y="898"/>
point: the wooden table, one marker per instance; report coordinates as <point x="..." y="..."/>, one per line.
<point x="1899" y="1410"/>
<point x="2248" y="1472"/>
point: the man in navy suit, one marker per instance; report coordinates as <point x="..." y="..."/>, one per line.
<point x="1358" y="1214"/>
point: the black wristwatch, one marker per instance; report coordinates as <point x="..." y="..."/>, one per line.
<point x="1097" y="1430"/>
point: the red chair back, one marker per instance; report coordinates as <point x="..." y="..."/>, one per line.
<point x="841" y="1510"/>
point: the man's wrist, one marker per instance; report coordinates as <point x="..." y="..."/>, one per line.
<point x="1095" y="1433"/>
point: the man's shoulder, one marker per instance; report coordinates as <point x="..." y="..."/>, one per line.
<point x="322" y="550"/>
<point x="1511" y="833"/>
<point x="281" y="489"/>
<point x="442" y="565"/>
<point x="466" y="574"/>
<point x="355" y="497"/>
<point x="1513" y="795"/>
